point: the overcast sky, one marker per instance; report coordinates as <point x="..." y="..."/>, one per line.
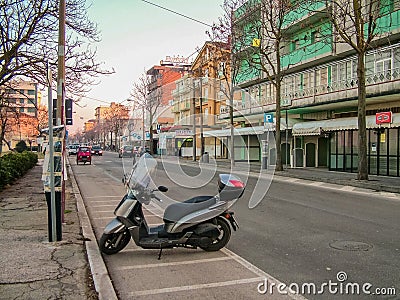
<point x="136" y="36"/>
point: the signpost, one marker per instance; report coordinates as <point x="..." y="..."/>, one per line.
<point x="268" y="120"/>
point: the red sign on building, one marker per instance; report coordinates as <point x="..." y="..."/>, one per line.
<point x="383" y="117"/>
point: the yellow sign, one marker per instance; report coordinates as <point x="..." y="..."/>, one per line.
<point x="256" y="42"/>
<point x="383" y="137"/>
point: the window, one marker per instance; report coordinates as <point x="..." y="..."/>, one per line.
<point x="31" y="109"/>
<point x="294" y="45"/>
<point x="31" y="92"/>
<point x="21" y="109"/>
<point x="315" y="36"/>
<point x="21" y="101"/>
<point x="386" y="7"/>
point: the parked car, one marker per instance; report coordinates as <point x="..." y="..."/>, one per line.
<point x="83" y="155"/>
<point x="125" y="151"/>
<point x="72" y="149"/>
<point x="96" y="150"/>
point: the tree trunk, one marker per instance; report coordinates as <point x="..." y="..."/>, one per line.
<point x="232" y="144"/>
<point x="278" y="82"/>
<point x="362" y="131"/>
<point x="279" y="166"/>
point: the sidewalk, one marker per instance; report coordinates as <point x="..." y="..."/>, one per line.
<point x="33" y="268"/>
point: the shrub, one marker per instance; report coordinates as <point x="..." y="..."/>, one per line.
<point x="21" y="147"/>
<point x="15" y="165"/>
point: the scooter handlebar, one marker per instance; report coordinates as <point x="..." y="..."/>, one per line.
<point x="155" y="197"/>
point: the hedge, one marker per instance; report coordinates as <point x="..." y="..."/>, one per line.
<point x="15" y="165"/>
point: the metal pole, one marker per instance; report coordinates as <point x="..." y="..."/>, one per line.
<point x="201" y="119"/>
<point x="143" y="131"/>
<point x="61" y="93"/>
<point x="194" y="121"/>
<point x="51" y="159"/>
<point x="286" y="152"/>
<point x="61" y="63"/>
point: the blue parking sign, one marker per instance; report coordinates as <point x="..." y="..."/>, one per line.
<point x="268" y="118"/>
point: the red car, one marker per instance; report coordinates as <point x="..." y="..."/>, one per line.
<point x="83" y="155"/>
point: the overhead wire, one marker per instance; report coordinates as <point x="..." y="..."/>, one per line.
<point x="177" y="13"/>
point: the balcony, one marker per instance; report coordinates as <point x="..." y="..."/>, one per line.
<point x="378" y="83"/>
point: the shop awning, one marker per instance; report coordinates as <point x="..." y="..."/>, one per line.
<point x="249" y="130"/>
<point x="237" y="131"/>
<point x="316" y="127"/>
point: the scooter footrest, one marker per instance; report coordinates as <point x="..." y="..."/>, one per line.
<point x="155" y="243"/>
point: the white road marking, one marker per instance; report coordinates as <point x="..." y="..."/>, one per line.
<point x="104" y="218"/>
<point x="96" y="197"/>
<point x="177" y="263"/>
<point x="347" y="188"/>
<point x="249" y="266"/>
<point x="317" y="183"/>
<point x="195" y="287"/>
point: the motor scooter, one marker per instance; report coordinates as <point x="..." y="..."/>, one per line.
<point x="201" y="221"/>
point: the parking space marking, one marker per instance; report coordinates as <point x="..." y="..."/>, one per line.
<point x="104" y="201"/>
<point x="177" y="263"/>
<point x="103" y="205"/>
<point x="96" y="197"/>
<point x="102" y="211"/>
<point x="249" y="266"/>
<point x="347" y="188"/>
<point x="104" y="218"/>
<point x="195" y="287"/>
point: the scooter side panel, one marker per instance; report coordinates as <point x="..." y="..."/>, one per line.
<point x="114" y="226"/>
<point x="194" y="218"/>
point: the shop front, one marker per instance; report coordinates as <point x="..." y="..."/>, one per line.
<point x="335" y="143"/>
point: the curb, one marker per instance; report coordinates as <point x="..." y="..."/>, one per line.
<point x="101" y="278"/>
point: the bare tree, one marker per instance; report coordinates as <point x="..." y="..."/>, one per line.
<point x="28" y="35"/>
<point x="117" y="116"/>
<point x="356" y="23"/>
<point x="230" y="64"/>
<point x="148" y="101"/>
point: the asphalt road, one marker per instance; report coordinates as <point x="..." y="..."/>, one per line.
<point x="299" y="233"/>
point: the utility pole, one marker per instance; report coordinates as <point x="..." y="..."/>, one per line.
<point x="194" y="120"/>
<point x="61" y="64"/>
<point x="61" y="92"/>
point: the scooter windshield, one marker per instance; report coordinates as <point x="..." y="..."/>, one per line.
<point x="140" y="176"/>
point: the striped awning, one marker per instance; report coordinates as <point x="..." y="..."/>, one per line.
<point x="317" y="127"/>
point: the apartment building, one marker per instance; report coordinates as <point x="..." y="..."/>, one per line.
<point x="319" y="92"/>
<point x="159" y="113"/>
<point x="19" y="101"/>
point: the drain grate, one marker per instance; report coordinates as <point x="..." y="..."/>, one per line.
<point x="350" y="246"/>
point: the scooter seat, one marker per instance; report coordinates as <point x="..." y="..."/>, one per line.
<point x="177" y="211"/>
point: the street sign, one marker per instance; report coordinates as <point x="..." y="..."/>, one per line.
<point x="268" y="118"/>
<point x="383" y="117"/>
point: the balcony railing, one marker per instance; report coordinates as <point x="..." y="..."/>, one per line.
<point x="298" y="92"/>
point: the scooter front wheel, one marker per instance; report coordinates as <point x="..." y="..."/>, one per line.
<point x="114" y="242"/>
<point x="222" y="239"/>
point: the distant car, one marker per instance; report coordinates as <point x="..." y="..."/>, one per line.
<point x="83" y="155"/>
<point x="96" y="150"/>
<point x="72" y="149"/>
<point x="125" y="151"/>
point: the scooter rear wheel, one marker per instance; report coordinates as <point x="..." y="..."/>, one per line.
<point x="223" y="239"/>
<point x="114" y="242"/>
